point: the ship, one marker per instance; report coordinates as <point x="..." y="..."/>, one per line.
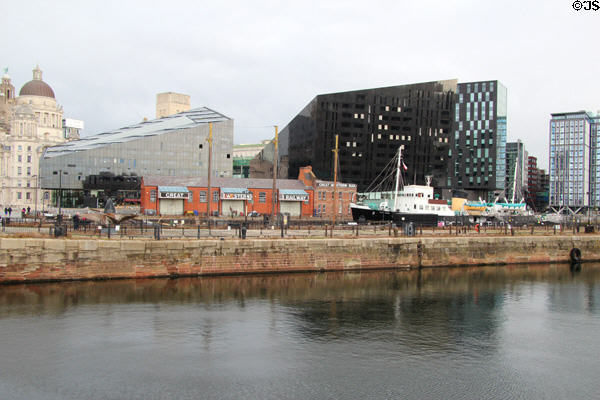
<point x="405" y="204"/>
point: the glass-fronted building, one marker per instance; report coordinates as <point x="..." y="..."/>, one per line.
<point x="516" y="171"/>
<point x="176" y="145"/>
<point x="478" y="149"/>
<point x="371" y="125"/>
<point x="574" y="160"/>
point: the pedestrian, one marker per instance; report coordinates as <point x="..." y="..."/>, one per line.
<point x="28" y="210"/>
<point x="9" y="211"/>
<point x="5" y="210"/>
<point x="76" y="222"/>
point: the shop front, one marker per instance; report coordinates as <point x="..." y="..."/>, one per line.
<point x="234" y="201"/>
<point x="290" y="201"/>
<point x="172" y="199"/>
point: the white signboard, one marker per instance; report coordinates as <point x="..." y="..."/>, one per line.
<point x="293" y="197"/>
<point x="236" y="196"/>
<point x="172" y="195"/>
<point x="339" y="185"/>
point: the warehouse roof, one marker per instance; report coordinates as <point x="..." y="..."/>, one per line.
<point x="251" y="183"/>
<point x="184" y="120"/>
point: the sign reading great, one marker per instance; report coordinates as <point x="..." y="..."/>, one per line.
<point x="172" y="195"/>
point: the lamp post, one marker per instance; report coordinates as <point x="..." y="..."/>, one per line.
<point x="37" y="188"/>
<point x="60" y="174"/>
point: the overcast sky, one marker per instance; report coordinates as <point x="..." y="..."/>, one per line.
<point x="261" y="62"/>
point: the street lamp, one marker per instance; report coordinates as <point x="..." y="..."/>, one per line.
<point x="60" y="174"/>
<point x="37" y="188"/>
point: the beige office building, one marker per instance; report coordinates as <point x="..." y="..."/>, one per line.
<point x="170" y="103"/>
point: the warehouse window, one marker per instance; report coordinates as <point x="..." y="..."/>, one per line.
<point x="262" y="197"/>
<point x="153" y="196"/>
<point x="202" y="196"/>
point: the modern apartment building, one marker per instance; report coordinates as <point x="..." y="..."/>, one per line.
<point x="478" y="145"/>
<point x="516" y="171"/>
<point x="533" y="176"/>
<point x="574" y="160"/>
<point x="372" y="124"/>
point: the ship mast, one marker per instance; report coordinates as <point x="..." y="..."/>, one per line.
<point x="398" y="177"/>
<point x="335" y="163"/>
<point x="515" y="177"/>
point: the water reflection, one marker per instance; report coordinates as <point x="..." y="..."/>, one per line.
<point x="435" y="333"/>
<point x="359" y="296"/>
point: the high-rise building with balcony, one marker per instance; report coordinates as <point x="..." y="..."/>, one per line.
<point x="516" y="171"/>
<point x="574" y="160"/>
<point x="478" y="147"/>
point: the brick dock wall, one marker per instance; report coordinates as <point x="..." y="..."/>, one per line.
<point x="30" y="260"/>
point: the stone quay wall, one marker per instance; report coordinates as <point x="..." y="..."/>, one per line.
<point x="30" y="260"/>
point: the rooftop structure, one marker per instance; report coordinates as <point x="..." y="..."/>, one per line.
<point x="170" y="103"/>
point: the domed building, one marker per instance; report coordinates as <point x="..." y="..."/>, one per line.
<point x="29" y="123"/>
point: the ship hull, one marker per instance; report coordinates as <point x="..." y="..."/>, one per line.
<point x="363" y="214"/>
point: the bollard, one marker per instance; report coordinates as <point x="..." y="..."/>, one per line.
<point x="325" y="230"/>
<point x="390" y="229"/>
<point x="532" y="229"/>
<point x="198" y="231"/>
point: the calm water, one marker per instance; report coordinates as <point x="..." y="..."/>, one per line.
<point x="507" y="332"/>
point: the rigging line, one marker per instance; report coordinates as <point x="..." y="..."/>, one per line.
<point x="377" y="181"/>
<point x="389" y="166"/>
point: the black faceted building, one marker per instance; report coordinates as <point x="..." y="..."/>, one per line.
<point x="372" y="124"/>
